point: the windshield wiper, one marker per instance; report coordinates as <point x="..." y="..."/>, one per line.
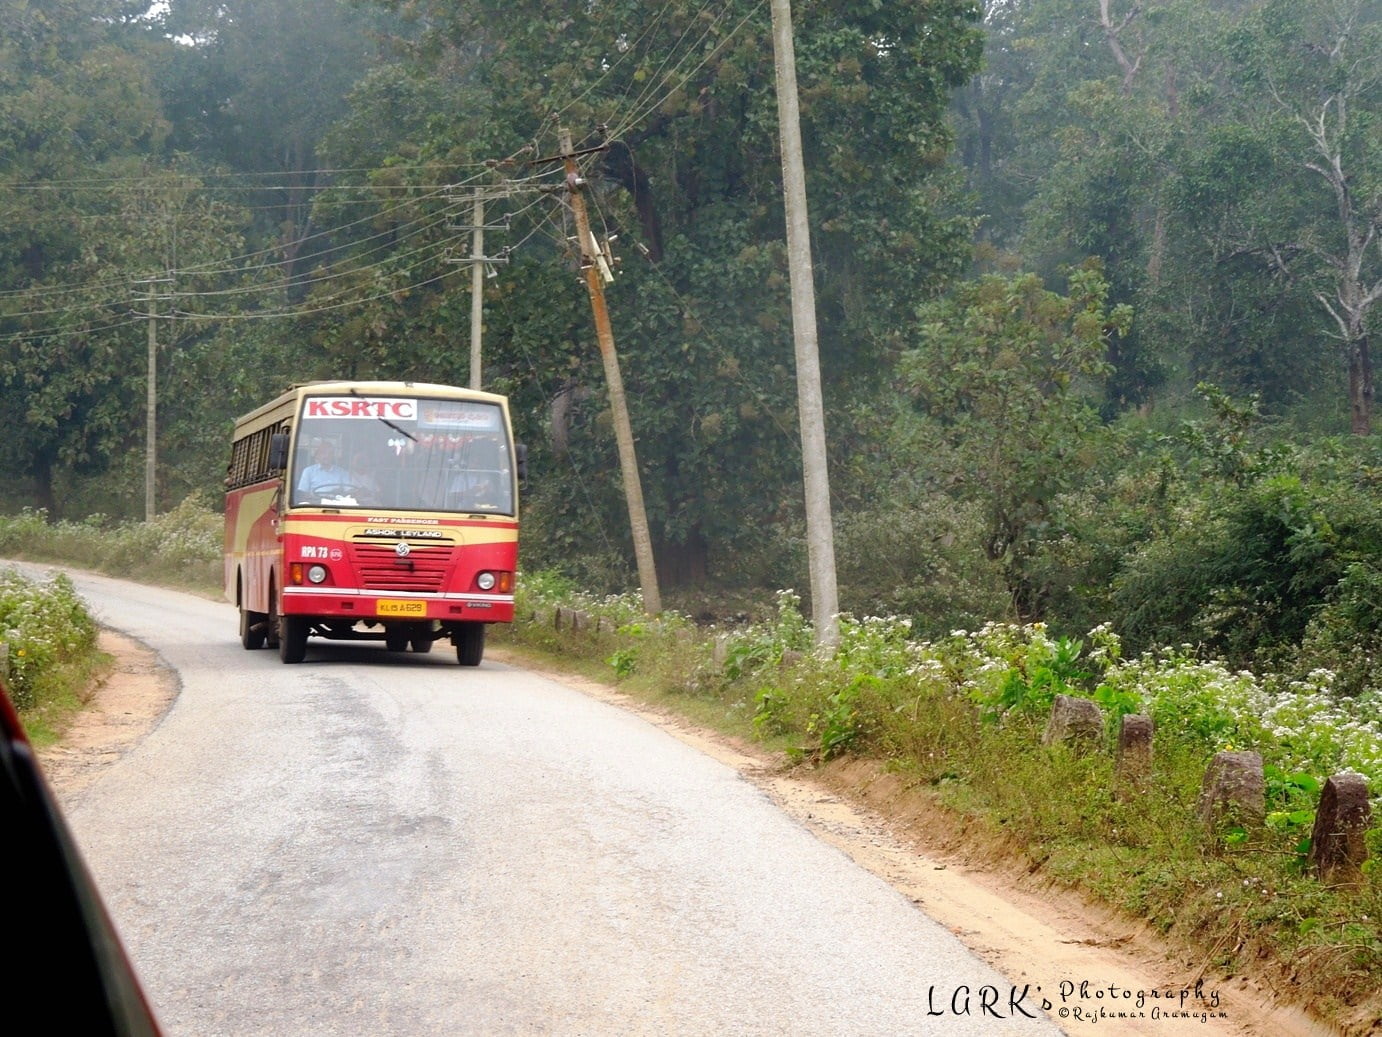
<point x="386" y="421"/>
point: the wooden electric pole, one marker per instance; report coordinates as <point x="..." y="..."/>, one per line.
<point x="596" y="269"/>
<point x="820" y="534"/>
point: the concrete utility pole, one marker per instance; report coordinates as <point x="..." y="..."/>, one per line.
<point x="597" y="270"/>
<point x="478" y="262"/>
<point x="477" y="286"/>
<point x="820" y="533"/>
<point x="151" y="416"/>
<point x="151" y="403"/>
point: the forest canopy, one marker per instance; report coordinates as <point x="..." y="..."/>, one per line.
<point x="1095" y="282"/>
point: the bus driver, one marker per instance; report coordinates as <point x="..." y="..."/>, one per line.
<point x="324" y="474"/>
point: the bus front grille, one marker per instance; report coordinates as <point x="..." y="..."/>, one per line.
<point x="382" y="569"/>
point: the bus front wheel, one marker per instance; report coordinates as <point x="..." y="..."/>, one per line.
<point x="292" y="638"/>
<point x="470" y="644"/>
<point x="422" y="636"/>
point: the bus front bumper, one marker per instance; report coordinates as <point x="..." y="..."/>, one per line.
<point x="338" y="603"/>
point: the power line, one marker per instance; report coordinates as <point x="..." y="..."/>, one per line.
<point x="388" y="293"/>
<point x="317" y="235"/>
<point x="608" y="71"/>
<point x="638" y="115"/>
<point x="390" y="236"/>
<point x="349" y="273"/>
<point x="155" y="180"/>
<point x="668" y="68"/>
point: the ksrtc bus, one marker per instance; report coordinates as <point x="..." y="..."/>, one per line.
<point x="382" y="511"/>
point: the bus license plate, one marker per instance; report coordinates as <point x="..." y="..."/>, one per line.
<point x="400" y="608"/>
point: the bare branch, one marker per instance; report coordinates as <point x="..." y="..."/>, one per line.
<point x="1111" y="33"/>
<point x="1328" y="304"/>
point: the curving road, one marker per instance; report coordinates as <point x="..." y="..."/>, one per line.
<point x="371" y="844"/>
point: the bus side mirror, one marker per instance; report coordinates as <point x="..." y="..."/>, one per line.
<point x="278" y="451"/>
<point x="521" y="453"/>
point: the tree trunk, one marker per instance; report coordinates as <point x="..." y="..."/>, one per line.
<point x="1360" y="385"/>
<point x="43" y="486"/>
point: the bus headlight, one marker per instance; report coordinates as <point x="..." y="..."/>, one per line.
<point x="316" y="573"/>
<point x="485" y="581"/>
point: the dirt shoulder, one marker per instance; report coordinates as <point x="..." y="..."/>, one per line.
<point x="1081" y="959"/>
<point x="125" y="706"/>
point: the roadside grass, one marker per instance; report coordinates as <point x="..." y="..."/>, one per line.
<point x="959" y="721"/>
<point x="62" y="693"/>
<point x="53" y="662"/>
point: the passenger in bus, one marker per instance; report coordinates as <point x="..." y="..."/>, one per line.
<point x="362" y="481"/>
<point x="324" y="473"/>
<point x="474" y="491"/>
<point x="477" y="487"/>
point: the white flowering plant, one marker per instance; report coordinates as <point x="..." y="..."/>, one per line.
<point x="757" y="646"/>
<point x="42" y="624"/>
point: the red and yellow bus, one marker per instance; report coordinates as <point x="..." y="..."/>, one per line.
<point x="383" y="511"/>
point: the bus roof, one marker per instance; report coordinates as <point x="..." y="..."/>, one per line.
<point x="285" y="405"/>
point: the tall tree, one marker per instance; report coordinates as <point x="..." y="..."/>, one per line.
<point x="682" y="105"/>
<point x="1319" y="69"/>
<point x="1121" y="115"/>
<point x="1010" y="372"/>
<point x="75" y="104"/>
<point x="88" y="213"/>
<point x="252" y="85"/>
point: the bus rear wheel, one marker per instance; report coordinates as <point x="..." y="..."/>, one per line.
<point x="292" y="638"/>
<point x="271" y="623"/>
<point x="470" y="643"/>
<point x="253" y="628"/>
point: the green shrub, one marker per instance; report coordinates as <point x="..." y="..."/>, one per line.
<point x="1345" y="635"/>
<point x="183" y="546"/>
<point x="43" y="626"/>
<point x="921" y="559"/>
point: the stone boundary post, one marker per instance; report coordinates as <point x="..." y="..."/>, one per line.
<point x="1338" y="846"/>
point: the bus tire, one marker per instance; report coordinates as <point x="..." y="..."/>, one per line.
<point x="396" y="638"/>
<point x="252" y="629"/>
<point x="423" y="637"/>
<point x="272" y="621"/>
<point x="470" y="643"/>
<point x="292" y="638"/>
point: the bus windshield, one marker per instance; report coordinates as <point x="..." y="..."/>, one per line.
<point x="404" y="453"/>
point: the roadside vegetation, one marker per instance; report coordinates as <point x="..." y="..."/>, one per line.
<point x="959" y="719"/>
<point x="181" y="548"/>
<point x="53" y="661"/>
<point x="49" y="656"/>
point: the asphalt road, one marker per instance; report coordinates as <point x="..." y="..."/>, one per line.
<point x="376" y="843"/>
